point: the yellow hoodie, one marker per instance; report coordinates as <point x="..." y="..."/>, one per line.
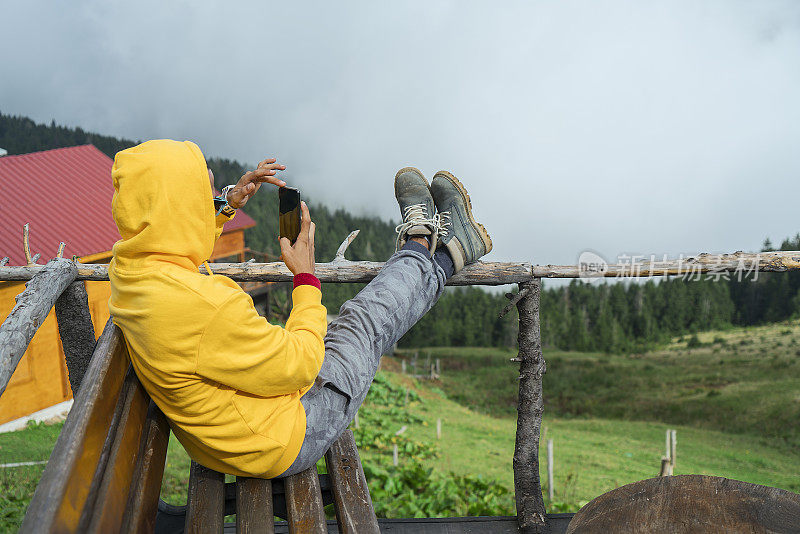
<point x="229" y="382"/>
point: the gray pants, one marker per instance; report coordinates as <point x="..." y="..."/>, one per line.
<point x="368" y="325"/>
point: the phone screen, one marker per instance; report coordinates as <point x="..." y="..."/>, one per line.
<point x="289" y="213"/>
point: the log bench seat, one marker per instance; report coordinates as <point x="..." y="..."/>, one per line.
<point x="105" y="472"/>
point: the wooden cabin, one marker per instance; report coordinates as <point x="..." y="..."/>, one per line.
<point x="64" y="195"/>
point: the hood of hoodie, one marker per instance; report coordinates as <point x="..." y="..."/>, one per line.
<point x="162" y="206"/>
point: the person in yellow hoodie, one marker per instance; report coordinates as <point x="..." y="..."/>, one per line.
<point x="243" y="396"/>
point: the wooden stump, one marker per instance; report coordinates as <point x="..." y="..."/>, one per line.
<point x="688" y="504"/>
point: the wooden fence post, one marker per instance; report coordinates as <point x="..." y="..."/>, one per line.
<point x="668" y="461"/>
<point x="76" y="330"/>
<point x="527" y="486"/>
<point x="674" y="446"/>
<point x="31" y="309"/>
<point x="550" y="477"/>
<point x="669" y="445"/>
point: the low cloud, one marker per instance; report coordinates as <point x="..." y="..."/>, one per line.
<point x="623" y="127"/>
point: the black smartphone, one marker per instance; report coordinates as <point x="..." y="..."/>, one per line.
<point x="289" y="213"/>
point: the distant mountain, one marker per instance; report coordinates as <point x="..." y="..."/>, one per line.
<point x="20" y="135"/>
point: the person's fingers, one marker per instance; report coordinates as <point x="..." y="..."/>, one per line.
<point x="270" y="180"/>
<point x="311" y="233"/>
<point x="267" y="162"/>
<point x="266" y="176"/>
<point x="305" y="223"/>
<point x="261" y="175"/>
<point x="274" y="166"/>
<point x="286" y="248"/>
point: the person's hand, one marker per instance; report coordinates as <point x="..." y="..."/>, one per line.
<point x="299" y="258"/>
<point x="252" y="180"/>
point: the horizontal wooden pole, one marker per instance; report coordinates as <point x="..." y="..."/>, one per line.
<point x="746" y="263"/>
<point x="481" y="273"/>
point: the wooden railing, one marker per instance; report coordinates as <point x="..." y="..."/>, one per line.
<point x="479" y="273"/>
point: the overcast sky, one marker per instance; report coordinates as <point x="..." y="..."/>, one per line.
<point x="621" y="127"/>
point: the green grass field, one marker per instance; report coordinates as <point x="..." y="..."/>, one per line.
<point x="595" y="455"/>
<point x="734" y="398"/>
<point x="744" y="380"/>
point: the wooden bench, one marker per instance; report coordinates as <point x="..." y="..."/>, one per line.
<point x="105" y="472"/>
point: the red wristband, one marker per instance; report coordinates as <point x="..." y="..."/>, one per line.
<point x="307" y="279"/>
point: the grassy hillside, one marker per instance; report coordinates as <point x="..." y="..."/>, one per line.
<point x="595" y="455"/>
<point x="742" y="380"/>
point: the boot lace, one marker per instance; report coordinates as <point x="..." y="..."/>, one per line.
<point x="443" y="223"/>
<point x="416" y="215"/>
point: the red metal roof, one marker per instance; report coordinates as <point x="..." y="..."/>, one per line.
<point x="65" y="195"/>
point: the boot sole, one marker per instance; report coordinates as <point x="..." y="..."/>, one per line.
<point x="414" y="170"/>
<point x="487" y="240"/>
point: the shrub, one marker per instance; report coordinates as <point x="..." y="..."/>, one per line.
<point x="694" y="342"/>
<point x="411" y="489"/>
<point x="415" y="491"/>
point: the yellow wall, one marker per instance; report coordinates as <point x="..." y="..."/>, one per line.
<point x="41" y="377"/>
